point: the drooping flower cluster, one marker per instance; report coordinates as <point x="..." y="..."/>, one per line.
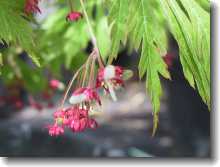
<point x="31" y="6"/>
<point x="108" y="78"/>
<point x="75" y="118"/>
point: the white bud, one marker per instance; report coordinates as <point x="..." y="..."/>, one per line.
<point x="75" y="99"/>
<point x="109" y="72"/>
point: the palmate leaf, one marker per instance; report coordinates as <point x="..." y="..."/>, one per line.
<point x="191" y="31"/>
<point x="144" y="26"/>
<point x="151" y="61"/>
<point x="117" y="18"/>
<point x="14" y="28"/>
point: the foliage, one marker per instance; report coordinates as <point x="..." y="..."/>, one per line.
<point x="188" y="22"/>
<point x="15" y="28"/>
<point x="192" y="32"/>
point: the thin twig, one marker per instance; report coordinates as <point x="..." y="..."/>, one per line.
<point x="86" y="68"/>
<point x="92" y="34"/>
<point x="70" y="85"/>
<point x="100" y="61"/>
<point x="91" y="76"/>
<point x="71" y="5"/>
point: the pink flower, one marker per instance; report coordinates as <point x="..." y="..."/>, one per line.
<point x="74" y="16"/>
<point x="31" y="6"/>
<point x="79" y="119"/>
<point x="75" y="125"/>
<point x="66" y="121"/>
<point x="56" y="84"/>
<point x="84" y="113"/>
<point x="109" y="78"/>
<point x="60" y="117"/>
<point x="110" y="73"/>
<point x="84" y="95"/>
<point x="55" y="130"/>
<point x="79" y="125"/>
<point x="83" y="123"/>
<point x="59" y="114"/>
<point x="73" y="113"/>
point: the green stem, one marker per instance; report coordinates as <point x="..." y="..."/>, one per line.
<point x="93" y="38"/>
<point x="92" y="34"/>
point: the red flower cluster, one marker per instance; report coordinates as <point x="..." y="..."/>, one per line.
<point x="75" y="118"/>
<point x="31" y="6"/>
